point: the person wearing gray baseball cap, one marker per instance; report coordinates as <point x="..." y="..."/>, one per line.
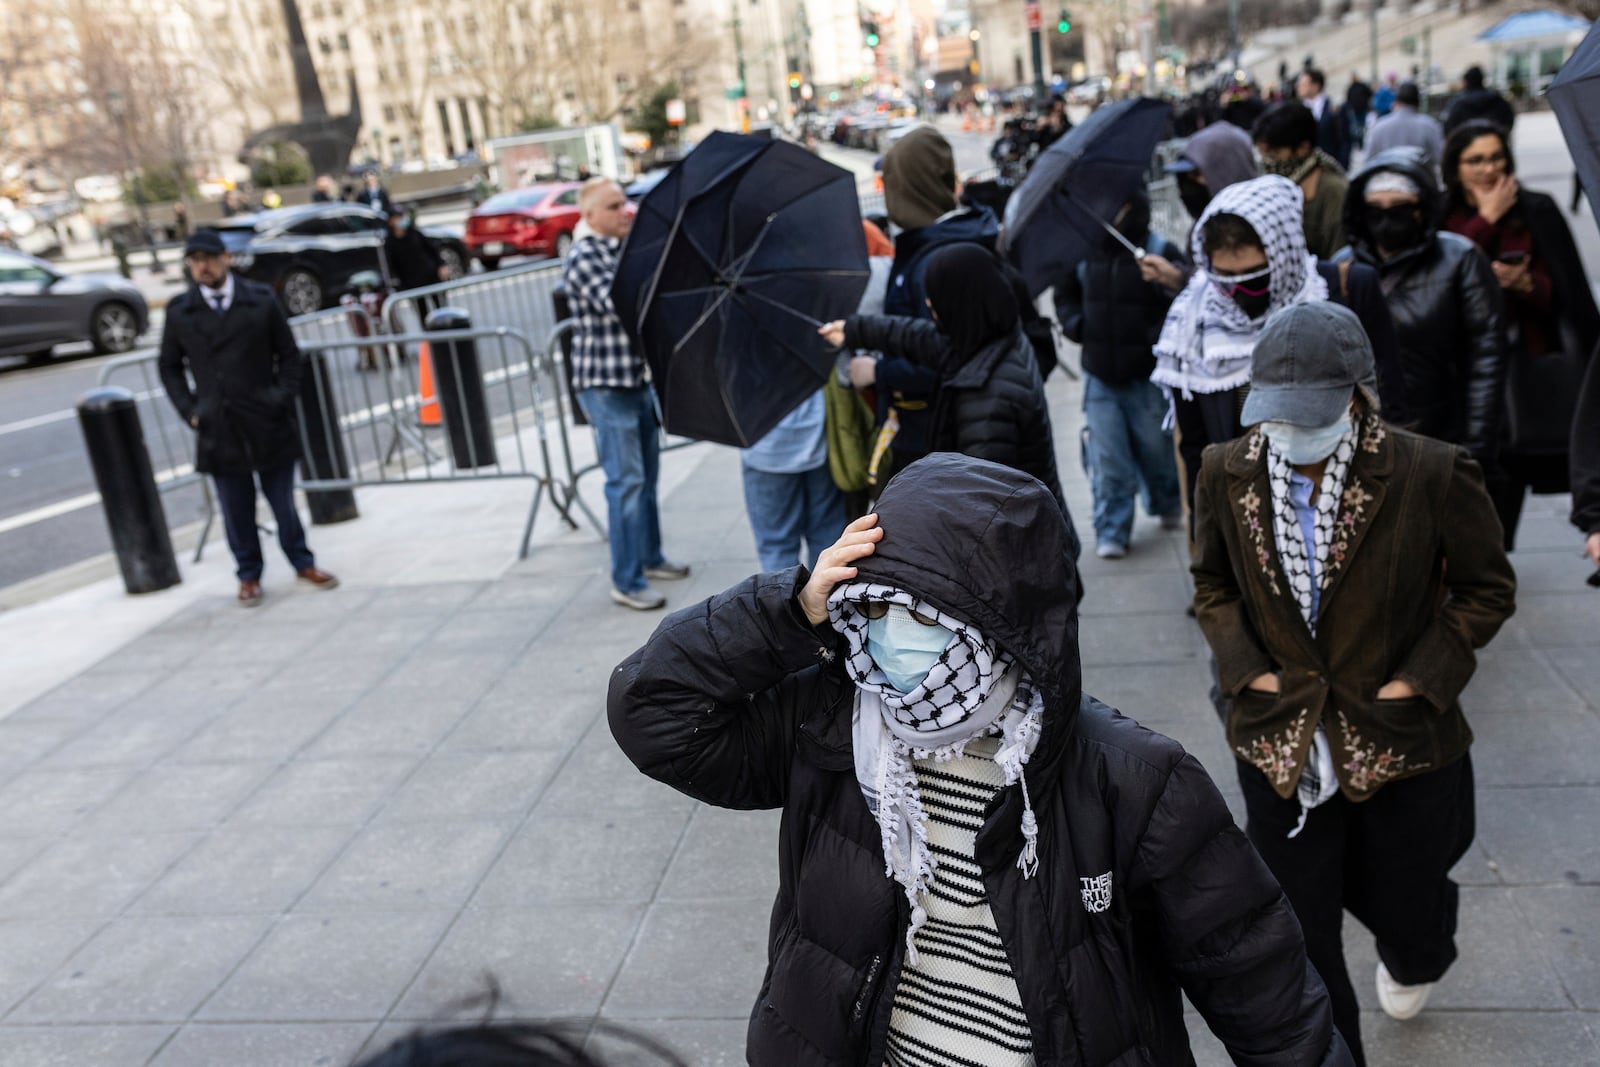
<point x="1345" y="572"/>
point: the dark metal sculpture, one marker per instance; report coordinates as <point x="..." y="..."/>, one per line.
<point x="327" y="139"/>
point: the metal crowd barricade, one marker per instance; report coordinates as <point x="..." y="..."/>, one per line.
<point x="170" y="440"/>
<point x="521" y="388"/>
<point x="517" y="297"/>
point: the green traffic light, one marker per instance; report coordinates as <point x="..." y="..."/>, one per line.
<point x="1063" y="26"/>
<point x="872" y="40"/>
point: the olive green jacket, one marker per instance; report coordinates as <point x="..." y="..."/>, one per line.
<point x="1417" y="581"/>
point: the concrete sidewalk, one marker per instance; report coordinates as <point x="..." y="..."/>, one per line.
<point x="281" y="836"/>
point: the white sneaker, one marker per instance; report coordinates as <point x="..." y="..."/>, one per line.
<point x="1400" y="1001"/>
<point x="645" y="599"/>
<point x="1110" y="550"/>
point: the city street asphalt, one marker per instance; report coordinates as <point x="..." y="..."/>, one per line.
<point x="276" y="837"/>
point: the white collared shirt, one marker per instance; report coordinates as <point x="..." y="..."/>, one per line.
<point x="1317" y="104"/>
<point x="210" y="295"/>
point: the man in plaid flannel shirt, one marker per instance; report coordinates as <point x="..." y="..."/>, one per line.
<point x="611" y="384"/>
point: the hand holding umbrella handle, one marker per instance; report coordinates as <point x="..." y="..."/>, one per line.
<point x="832" y="332"/>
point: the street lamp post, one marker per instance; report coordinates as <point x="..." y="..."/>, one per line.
<point x="977" y="66"/>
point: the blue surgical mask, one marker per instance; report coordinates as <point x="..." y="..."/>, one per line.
<point x="1305" y="445"/>
<point x="904" y="649"/>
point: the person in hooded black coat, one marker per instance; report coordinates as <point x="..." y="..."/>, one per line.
<point x="990" y="401"/>
<point x="1446" y="305"/>
<point x="1144" y="891"/>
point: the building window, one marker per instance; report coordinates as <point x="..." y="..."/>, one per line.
<point x="402" y="70"/>
<point x="325" y="46"/>
<point x="377" y="39"/>
<point x="444" y="127"/>
<point x="470" y="24"/>
<point x="344" y="42"/>
<point x="337" y="9"/>
<point x="316" y="11"/>
<point x="388" y="114"/>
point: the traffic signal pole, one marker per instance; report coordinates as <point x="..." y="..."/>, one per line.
<point x="1036" y="46"/>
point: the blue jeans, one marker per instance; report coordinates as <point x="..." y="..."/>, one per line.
<point x="626" y="436"/>
<point x="1125" y="447"/>
<point x="236" y="499"/>
<point x="784" y="508"/>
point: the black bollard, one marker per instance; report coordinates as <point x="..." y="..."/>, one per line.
<point x="563" y="310"/>
<point x="460" y="383"/>
<point x="324" y="458"/>
<point x="109" y="417"/>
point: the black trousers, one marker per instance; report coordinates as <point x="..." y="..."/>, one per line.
<point x="1208" y="419"/>
<point x="236" y="498"/>
<point x="1385" y="860"/>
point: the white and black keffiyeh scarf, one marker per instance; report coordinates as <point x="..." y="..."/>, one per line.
<point x="1206" y="341"/>
<point x="1317" y="783"/>
<point x="974" y="690"/>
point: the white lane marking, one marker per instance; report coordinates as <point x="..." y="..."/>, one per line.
<point x="58" y="416"/>
<point x="75" y="503"/>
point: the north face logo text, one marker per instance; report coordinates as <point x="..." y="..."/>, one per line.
<point x="1097" y="892"/>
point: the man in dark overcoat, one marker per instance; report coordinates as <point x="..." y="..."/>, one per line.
<point x="231" y="367"/>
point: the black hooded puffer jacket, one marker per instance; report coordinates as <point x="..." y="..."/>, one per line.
<point x="1447" y="313"/>
<point x="739" y="702"/>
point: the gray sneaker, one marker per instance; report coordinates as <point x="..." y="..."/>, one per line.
<point x="666" y="571"/>
<point x="645" y="599"/>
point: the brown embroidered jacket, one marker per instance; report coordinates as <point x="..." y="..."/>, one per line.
<point x="1417" y="581"/>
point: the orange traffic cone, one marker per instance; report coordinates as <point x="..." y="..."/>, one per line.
<point x="429" y="414"/>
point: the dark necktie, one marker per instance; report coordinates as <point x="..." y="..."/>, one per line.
<point x="218" y="299"/>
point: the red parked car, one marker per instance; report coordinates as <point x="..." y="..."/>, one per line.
<point x="535" y="221"/>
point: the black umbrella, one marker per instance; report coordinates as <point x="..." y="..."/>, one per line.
<point x="1059" y="212"/>
<point x="733" y="262"/>
<point x="1575" y="96"/>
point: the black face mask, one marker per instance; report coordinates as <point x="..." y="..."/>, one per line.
<point x="1195" y="197"/>
<point x="1394" y="229"/>
<point x="1254" y="306"/>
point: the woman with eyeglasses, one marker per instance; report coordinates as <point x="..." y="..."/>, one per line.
<point x="1550" y="316"/>
<point x="1443" y="296"/>
<point x="1251" y="261"/>
<point x="978" y="862"/>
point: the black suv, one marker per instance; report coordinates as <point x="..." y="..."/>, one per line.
<point x="309" y="253"/>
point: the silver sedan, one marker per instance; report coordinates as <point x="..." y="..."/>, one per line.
<point x="40" y="307"/>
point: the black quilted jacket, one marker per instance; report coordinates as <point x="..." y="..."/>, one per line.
<point x="1447" y="313"/>
<point x="991" y="406"/>
<point x="739" y="702"/>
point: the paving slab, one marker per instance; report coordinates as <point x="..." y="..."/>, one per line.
<point x="245" y="870"/>
<point x="144" y="969"/>
<point x="279" y="1045"/>
<point x="408" y="866"/>
<point x="90" y="876"/>
<point x="721" y="944"/>
<point x="76" y="1046"/>
<point x="585" y="859"/>
<point x="328" y="968"/>
<point x="1542" y="835"/>
<point x="330" y="792"/>
<point x="32" y="949"/>
<point x="1565" y="922"/>
<point x="549" y="961"/>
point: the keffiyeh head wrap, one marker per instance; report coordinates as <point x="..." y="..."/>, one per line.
<point x="975" y="689"/>
<point x="1206" y="341"/>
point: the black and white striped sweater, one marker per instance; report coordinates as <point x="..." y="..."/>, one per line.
<point x="959" y="1005"/>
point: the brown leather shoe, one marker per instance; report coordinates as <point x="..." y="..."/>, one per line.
<point x="249" y="594"/>
<point x="319" y="578"/>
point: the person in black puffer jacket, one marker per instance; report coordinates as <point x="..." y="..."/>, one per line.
<point x="1101" y="873"/>
<point x="1442" y="295"/>
<point x="990" y="401"/>
<point x="1107" y="306"/>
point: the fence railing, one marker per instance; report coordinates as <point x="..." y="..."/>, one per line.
<point x="494" y="396"/>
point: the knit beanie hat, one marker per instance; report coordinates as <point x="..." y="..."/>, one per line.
<point x="919" y="179"/>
